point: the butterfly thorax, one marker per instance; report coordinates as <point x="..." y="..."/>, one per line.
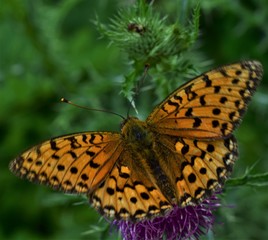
<point x="136" y="132"/>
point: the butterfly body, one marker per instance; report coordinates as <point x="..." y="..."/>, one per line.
<point x="147" y="156"/>
<point x="183" y="152"/>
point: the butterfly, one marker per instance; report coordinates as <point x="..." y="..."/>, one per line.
<point x="181" y="154"/>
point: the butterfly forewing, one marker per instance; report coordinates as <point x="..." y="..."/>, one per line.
<point x="211" y="105"/>
<point x="72" y="163"/>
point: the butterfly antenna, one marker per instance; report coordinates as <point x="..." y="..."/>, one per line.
<point x="64" y="100"/>
<point x="138" y="87"/>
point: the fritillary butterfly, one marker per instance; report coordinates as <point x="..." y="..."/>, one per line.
<point x="182" y="153"/>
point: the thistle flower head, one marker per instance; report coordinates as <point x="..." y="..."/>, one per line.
<point x="180" y="223"/>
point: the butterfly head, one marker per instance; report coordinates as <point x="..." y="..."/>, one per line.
<point x="134" y="130"/>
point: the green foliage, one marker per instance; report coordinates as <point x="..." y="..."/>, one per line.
<point x="147" y="38"/>
<point x="51" y="49"/>
<point x="252" y="180"/>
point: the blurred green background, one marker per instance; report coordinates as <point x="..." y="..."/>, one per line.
<point x="51" y="49"/>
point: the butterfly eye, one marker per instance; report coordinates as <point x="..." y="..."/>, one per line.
<point x="139" y="135"/>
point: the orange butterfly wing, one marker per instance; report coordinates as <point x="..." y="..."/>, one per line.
<point x="97" y="164"/>
<point x="123" y="195"/>
<point x="197" y="168"/>
<point x="74" y="163"/>
<point x="198" y="119"/>
<point x="209" y="106"/>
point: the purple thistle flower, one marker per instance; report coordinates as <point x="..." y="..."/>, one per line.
<point x="180" y="223"/>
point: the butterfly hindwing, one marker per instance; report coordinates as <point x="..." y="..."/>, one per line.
<point x="123" y="196"/>
<point x="196" y="168"/>
<point x="205" y="165"/>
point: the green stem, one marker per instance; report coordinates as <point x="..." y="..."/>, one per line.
<point x="258" y="180"/>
